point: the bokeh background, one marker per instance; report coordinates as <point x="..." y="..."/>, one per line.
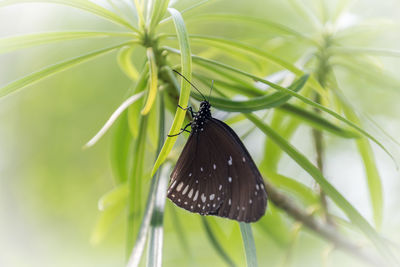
<point x="50" y="185"/>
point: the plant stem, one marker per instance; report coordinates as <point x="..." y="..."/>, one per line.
<point x="324" y="230"/>
<point x="322" y="72"/>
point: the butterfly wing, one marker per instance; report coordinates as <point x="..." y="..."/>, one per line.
<point x="215" y="175"/>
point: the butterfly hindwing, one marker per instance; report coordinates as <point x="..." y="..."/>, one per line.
<point x="215" y="175"/>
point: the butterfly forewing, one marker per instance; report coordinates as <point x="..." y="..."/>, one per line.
<point x="215" y="175"/>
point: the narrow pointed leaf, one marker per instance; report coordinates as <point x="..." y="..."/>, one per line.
<point x="153" y="76"/>
<point x="186" y="64"/>
<point x="13" y="43"/>
<point x="53" y="69"/>
<point x="125" y="63"/>
<point x="249" y="245"/>
<point x="257" y="103"/>
<point x="80" y="4"/>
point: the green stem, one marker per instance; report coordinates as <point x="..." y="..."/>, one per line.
<point x="322" y="73"/>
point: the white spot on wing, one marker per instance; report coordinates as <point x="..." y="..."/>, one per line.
<point x="244" y="159"/>
<point x="230" y="179"/>
<point x="185" y="190"/>
<point x="257" y="187"/>
<point x="229" y="202"/>
<point x="214" y="166"/>
<point x="250" y="201"/>
<point x="196" y="195"/>
<point x="230" y="160"/>
<point x="203" y="198"/>
<point x="220" y="187"/>
<point x="201" y="168"/>
<point x="190" y="174"/>
<point x="212" y="196"/>
<point x="262" y="186"/>
<point x="190" y="193"/>
<point x="179" y="187"/>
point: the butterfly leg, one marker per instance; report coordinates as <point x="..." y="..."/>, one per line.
<point x="182" y="130"/>
<point x="189" y="109"/>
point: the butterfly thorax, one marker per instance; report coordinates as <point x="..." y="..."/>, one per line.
<point x="201" y="116"/>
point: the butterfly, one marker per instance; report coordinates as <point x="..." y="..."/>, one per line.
<point x="215" y="174"/>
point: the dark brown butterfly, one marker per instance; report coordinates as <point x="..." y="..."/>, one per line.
<point x="215" y="174"/>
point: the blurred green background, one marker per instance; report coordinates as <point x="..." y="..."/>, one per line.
<point x="50" y="185"/>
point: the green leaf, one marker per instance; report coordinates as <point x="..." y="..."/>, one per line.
<point x="257" y="103"/>
<point x="113" y="118"/>
<point x="317" y="121"/>
<point x="275" y="226"/>
<point x="200" y="3"/>
<point x="134" y="110"/>
<point x="285" y="126"/>
<point x="135" y="184"/>
<point x="125" y="63"/>
<point x="80" y="4"/>
<point x="159" y="7"/>
<point x="249" y="245"/>
<point x="293" y="187"/>
<point x="105" y="221"/>
<point x="246" y="90"/>
<point x="244" y="48"/>
<point x="373" y="178"/>
<point x="52" y="69"/>
<point x="329" y="190"/>
<point x="140" y="243"/>
<point x="117" y="195"/>
<point x="215" y="243"/>
<point x="365" y="50"/>
<point x="121" y="149"/>
<point x="250" y="20"/>
<point x="13" y="43"/>
<point x="186" y="63"/>
<point x="153" y="82"/>
<point x="154" y="256"/>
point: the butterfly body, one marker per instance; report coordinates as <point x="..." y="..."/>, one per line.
<point x="215" y="174"/>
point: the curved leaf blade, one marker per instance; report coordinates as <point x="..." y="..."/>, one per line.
<point x="13" y="43"/>
<point x="52" y="69"/>
<point x="249" y="245"/>
<point x="84" y="5"/>
<point x="257" y="103"/>
<point x="186" y="63"/>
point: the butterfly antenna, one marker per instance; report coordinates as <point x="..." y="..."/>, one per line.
<point x="177" y="72"/>
<point x="212" y="85"/>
